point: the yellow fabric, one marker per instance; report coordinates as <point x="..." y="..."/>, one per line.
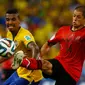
<point x="22" y="38"/>
<point x="43" y="34"/>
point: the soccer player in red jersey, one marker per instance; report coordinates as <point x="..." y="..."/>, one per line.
<point x="65" y="68"/>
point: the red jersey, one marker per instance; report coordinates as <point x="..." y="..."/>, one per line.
<point x="72" y="50"/>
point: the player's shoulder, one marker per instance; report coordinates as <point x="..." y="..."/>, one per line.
<point x="26" y="34"/>
<point x="24" y="31"/>
<point x="64" y="28"/>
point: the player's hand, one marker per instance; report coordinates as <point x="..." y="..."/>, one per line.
<point x="18" y="57"/>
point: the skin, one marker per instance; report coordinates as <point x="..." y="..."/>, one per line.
<point x="77" y="23"/>
<point x="78" y="20"/>
<point x="12" y="23"/>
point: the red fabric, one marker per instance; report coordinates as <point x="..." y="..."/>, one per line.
<point x="72" y="50"/>
<point x="31" y="63"/>
<point x="7" y="64"/>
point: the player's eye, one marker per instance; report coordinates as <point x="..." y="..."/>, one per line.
<point x="7" y="19"/>
<point x="74" y="15"/>
<point x="79" y="17"/>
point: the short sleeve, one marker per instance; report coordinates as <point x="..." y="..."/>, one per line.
<point x="56" y="37"/>
<point x="28" y="38"/>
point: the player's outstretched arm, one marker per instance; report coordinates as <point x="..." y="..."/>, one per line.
<point x="44" y="49"/>
<point x="34" y="48"/>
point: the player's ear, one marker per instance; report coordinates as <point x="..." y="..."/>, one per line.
<point x="19" y="17"/>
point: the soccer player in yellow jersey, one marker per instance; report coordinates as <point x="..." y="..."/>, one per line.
<point x="25" y="42"/>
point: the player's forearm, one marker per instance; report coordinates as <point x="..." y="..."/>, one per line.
<point x="34" y="48"/>
<point x="35" y="52"/>
<point x="45" y="48"/>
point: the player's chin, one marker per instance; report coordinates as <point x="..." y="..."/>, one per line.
<point x="11" y="29"/>
<point x="78" y="26"/>
<point x="75" y="26"/>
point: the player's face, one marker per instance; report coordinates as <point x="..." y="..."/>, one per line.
<point x="78" y="19"/>
<point x="12" y="22"/>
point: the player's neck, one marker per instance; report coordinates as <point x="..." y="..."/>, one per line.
<point x="77" y="28"/>
<point x="14" y="33"/>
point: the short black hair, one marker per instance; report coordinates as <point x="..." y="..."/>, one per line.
<point x="81" y="9"/>
<point x="12" y="11"/>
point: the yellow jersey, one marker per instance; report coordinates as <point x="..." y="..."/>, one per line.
<point x="22" y="38"/>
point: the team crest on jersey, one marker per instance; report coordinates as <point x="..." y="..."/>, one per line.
<point x="27" y="37"/>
